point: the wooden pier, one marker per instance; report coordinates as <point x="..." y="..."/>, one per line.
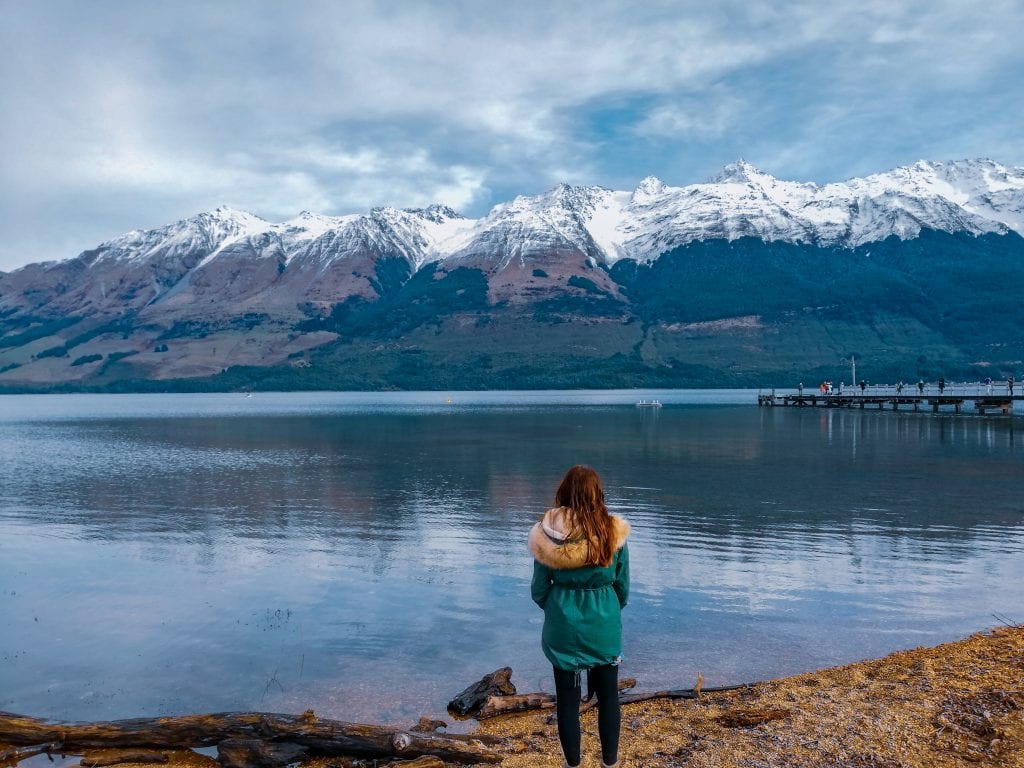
<point x="958" y="397"/>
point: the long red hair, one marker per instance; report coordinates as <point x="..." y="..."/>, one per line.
<point x="580" y="491"/>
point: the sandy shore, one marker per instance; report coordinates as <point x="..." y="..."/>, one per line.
<point x="958" y="704"/>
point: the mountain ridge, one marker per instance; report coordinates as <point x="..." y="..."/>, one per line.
<point x="990" y="196"/>
<point x="630" y="273"/>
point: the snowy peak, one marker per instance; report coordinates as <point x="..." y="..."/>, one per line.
<point x="973" y="196"/>
<point x="538" y="226"/>
<point x="201" y="234"/>
<point x="648" y="189"/>
<point x="740" y="172"/>
<point x="308" y="220"/>
<point x="957" y="180"/>
<point x="224" y="222"/>
<point x="562" y="199"/>
<point x="436" y="213"/>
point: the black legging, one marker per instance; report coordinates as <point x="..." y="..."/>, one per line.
<point x="604" y="681"/>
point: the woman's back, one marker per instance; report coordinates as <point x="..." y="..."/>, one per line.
<point x="582" y="602"/>
<point x="581" y="581"/>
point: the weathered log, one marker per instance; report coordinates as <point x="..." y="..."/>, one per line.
<point x="633" y="698"/>
<point x="681" y="693"/>
<point x="320" y="737"/>
<point x="524" y="702"/>
<point x="505" y="705"/>
<point x="426" y="725"/>
<point x="625" y="684"/>
<point x="479" y="738"/>
<point x="497" y="683"/>
<point x="16" y="754"/>
<point x="105" y="757"/>
<point x="254" y="753"/>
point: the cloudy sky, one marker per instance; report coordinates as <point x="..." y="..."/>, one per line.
<point x="121" y="115"/>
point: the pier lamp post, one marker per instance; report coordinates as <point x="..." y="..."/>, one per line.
<point x="853" y="368"/>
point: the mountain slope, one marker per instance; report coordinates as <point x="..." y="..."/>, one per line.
<point x="728" y="281"/>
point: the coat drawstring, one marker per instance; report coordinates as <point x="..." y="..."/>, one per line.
<point x="578" y="682"/>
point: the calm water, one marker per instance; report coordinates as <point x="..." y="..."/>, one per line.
<point x="364" y="554"/>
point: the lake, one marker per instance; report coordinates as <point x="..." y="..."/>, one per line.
<point x="363" y="554"/>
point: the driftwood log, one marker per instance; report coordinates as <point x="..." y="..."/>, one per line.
<point x="246" y="739"/>
<point x="105" y="757"/>
<point x="680" y="693"/>
<point x="469" y="702"/>
<point x="626" y="684"/>
<point x="481" y="704"/>
<point x="523" y="702"/>
<point x="16" y="754"/>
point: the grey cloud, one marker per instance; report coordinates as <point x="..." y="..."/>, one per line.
<point x="142" y="113"/>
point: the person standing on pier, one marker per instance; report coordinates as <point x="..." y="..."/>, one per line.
<point x="988" y="385"/>
<point x="581" y="581"/>
<point x="863" y="384"/>
<point x="920" y="387"/>
<point x="1009" y="384"/>
<point x="942" y="384"/>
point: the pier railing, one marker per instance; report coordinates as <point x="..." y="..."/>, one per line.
<point x="965" y="389"/>
<point x="999" y="396"/>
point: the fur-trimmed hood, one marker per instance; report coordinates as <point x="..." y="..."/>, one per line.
<point x="550" y="544"/>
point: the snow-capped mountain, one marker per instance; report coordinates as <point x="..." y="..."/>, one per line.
<point x="965" y="196"/>
<point x="974" y="196"/>
<point x="588" y="252"/>
<point x="319" y="258"/>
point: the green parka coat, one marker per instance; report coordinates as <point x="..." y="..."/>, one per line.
<point x="582" y="603"/>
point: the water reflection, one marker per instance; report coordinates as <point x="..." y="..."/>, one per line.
<point x="369" y="561"/>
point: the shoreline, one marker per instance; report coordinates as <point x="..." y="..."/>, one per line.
<point x="955" y="704"/>
<point x="952" y="705"/>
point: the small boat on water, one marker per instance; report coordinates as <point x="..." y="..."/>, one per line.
<point x="649" y="404"/>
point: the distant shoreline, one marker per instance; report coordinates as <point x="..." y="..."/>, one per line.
<point x="631" y="392"/>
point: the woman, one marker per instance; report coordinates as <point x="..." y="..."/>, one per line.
<point x="581" y="580"/>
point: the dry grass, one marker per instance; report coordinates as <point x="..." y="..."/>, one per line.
<point x="958" y="704"/>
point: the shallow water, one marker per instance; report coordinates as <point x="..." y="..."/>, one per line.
<point x="364" y="554"/>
